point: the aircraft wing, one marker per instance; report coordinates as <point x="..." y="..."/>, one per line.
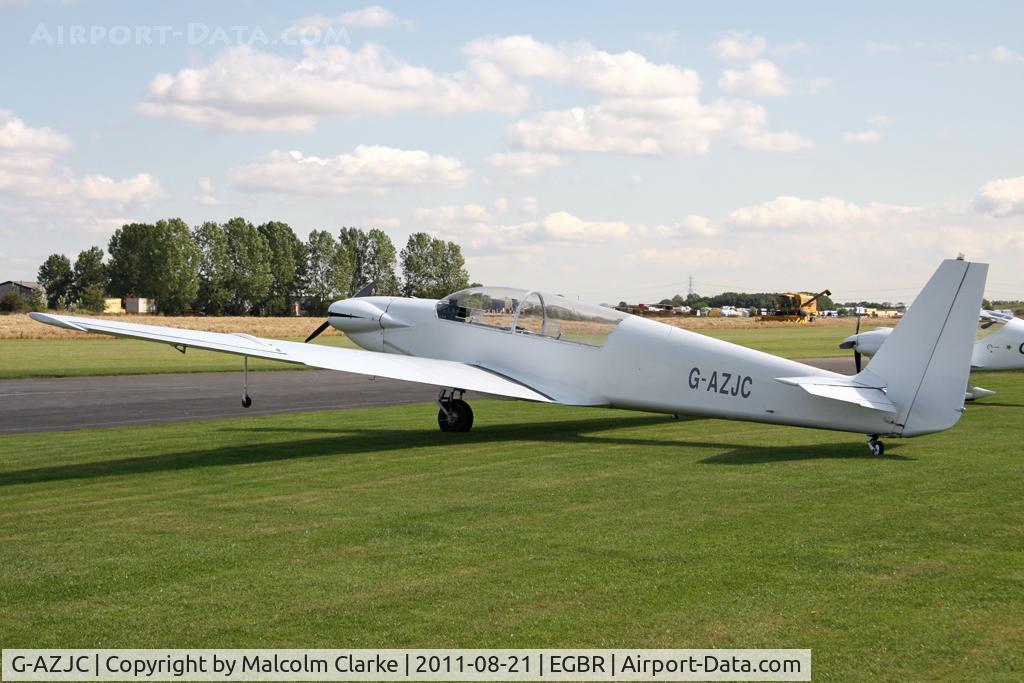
<point x="442" y="373"/>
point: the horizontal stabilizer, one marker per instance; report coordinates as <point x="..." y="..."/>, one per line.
<point x="843" y="389"/>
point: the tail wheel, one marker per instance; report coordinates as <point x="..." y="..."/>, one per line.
<point x="458" y="418"/>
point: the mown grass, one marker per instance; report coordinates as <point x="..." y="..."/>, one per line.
<point x="106" y="356"/>
<point x="542" y="527"/>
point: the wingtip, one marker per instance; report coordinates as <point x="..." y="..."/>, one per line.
<point x="56" y="321"/>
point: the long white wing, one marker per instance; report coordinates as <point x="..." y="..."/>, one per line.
<point x="442" y="373"/>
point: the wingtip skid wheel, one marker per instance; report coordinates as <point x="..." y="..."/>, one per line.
<point x="246" y="401"/>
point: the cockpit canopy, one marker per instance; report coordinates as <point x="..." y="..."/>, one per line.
<point x="529" y="312"/>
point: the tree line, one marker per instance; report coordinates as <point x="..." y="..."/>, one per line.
<point x="236" y="268"/>
<point x="737" y="299"/>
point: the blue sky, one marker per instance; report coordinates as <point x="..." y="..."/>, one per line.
<point x="608" y="150"/>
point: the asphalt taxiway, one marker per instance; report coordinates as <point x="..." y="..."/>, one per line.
<point x="60" y="404"/>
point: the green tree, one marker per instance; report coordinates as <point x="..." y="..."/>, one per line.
<point x="172" y="275"/>
<point x="35" y="300"/>
<point x="91" y="297"/>
<point x="417" y="265"/>
<point x="373" y="257"/>
<point x="131" y="250"/>
<point x="432" y="267"/>
<point x="354" y="242"/>
<point x="328" y="271"/>
<point x="57" y="278"/>
<point x="12" y="302"/>
<point x="450" y="269"/>
<point x="285" y="252"/>
<point x="212" y="243"/>
<point x="90" y="274"/>
<point x="248" y="278"/>
<point x="380" y="262"/>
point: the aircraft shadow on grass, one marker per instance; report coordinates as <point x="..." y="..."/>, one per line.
<point x="344" y="441"/>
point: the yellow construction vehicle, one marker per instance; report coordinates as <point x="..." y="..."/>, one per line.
<point x="796" y="307"/>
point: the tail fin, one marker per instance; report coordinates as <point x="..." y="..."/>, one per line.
<point x="926" y="361"/>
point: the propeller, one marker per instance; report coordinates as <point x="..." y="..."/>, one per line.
<point x="365" y="290"/>
<point x="856" y="353"/>
<point x="317" y="331"/>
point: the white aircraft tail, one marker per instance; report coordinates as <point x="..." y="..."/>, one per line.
<point x="925" y="363"/>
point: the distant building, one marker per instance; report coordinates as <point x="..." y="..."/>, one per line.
<point x="113" y="306"/>
<point x="139" y="305"/>
<point x="22" y="288"/>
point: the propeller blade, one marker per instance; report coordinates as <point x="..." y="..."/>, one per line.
<point x="317" y="331"/>
<point x="856" y="360"/>
<point x="365" y="290"/>
<point x="858" y="325"/>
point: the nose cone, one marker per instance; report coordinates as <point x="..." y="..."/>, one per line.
<point x="849" y="343"/>
<point x="362" y="315"/>
<point x="355" y="315"/>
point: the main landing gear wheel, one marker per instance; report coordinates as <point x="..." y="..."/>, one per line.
<point x="876" y="446"/>
<point x="454" y="414"/>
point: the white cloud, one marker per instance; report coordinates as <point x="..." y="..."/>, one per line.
<point x="140" y="188"/>
<point x="27" y="170"/>
<point x="450" y="215"/>
<point x="562" y="226"/>
<point x="475" y="224"/>
<point x="863" y="136"/>
<point x="623" y="74"/>
<point x="879" y="120"/>
<point x="249" y="90"/>
<point x="15" y="136"/>
<point x="63" y="184"/>
<point x="374" y="16"/>
<point x="644" y="107"/>
<point x="737" y="46"/>
<point x="1003" y="54"/>
<point x="788" y="212"/>
<point x="652" y="127"/>
<point x="760" y="79"/>
<point x="524" y="164"/>
<point x="369" y="168"/>
<point x="1001" y="197"/>
<point x="206" y="192"/>
<point x="529" y="205"/>
<point x="701" y="226"/>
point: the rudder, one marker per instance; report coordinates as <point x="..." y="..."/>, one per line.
<point x="925" y="363"/>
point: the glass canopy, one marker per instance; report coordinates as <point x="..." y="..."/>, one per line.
<point x="521" y="311"/>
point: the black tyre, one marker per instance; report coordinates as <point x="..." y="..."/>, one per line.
<point x="458" y="419"/>
<point x="246" y="401"/>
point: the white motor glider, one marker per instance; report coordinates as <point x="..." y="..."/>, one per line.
<point x="543" y="347"/>
<point x="1001" y="349"/>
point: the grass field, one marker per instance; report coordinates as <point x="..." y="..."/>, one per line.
<point x="95" y="355"/>
<point x="542" y="527"/>
<point x="108" y="356"/>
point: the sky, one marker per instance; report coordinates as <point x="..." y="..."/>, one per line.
<point x="609" y="151"/>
